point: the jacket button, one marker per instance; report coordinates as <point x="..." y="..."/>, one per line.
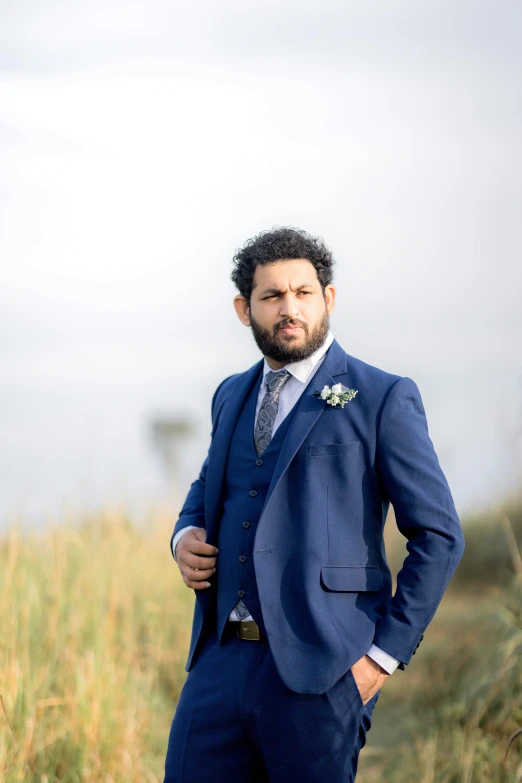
<point x="241" y="593"/>
<point x="242" y="558"/>
<point x="246" y="523"/>
<point x="259" y="462"/>
<point x="253" y="493"/>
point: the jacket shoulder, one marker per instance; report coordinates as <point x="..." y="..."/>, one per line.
<point x="375" y="383"/>
<point x="378" y="379"/>
<point x="223" y="391"/>
<point x="381" y="387"/>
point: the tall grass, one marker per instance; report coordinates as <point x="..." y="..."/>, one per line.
<point x="95" y="629"/>
<point x="448" y="717"/>
<point x="94" y="632"/>
<point x="459" y="704"/>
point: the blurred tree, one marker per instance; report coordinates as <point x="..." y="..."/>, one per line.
<point x="167" y="433"/>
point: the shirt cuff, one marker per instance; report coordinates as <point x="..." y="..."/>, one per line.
<point x="388" y="662"/>
<point x="177" y="537"/>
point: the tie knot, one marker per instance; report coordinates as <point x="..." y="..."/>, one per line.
<point x="275" y="380"/>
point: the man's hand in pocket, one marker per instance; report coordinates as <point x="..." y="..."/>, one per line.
<point x="368" y="676"/>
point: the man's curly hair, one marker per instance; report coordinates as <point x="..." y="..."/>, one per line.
<point x="278" y="244"/>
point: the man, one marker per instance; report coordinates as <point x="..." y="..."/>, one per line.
<point x="295" y="627"/>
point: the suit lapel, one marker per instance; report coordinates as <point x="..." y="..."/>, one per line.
<point x="309" y="409"/>
<point x="221" y="444"/>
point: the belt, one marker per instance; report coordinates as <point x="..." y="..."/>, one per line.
<point x="247" y="629"/>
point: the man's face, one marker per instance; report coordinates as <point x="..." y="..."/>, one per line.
<point x="288" y="314"/>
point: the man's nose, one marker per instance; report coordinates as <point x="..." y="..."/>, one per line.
<point x="289" y="307"/>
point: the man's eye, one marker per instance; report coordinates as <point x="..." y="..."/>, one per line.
<point x="273" y="296"/>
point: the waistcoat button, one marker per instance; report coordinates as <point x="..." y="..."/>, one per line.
<point x="242" y="558"/>
<point x="253" y="493"/>
<point x="246" y="523"/>
<point x="241" y="593"/>
<point x="259" y="461"/>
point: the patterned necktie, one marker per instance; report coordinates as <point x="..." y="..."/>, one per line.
<point x="268" y="410"/>
<point x="263" y="432"/>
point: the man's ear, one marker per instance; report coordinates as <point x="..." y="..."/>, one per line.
<point x="242" y="309"/>
<point x="329" y="297"/>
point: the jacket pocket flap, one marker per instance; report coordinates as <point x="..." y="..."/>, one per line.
<point x="352" y="577"/>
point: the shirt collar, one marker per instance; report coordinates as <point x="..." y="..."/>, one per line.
<point x="301" y="370"/>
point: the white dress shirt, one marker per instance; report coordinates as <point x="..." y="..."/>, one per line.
<point x="302" y="372"/>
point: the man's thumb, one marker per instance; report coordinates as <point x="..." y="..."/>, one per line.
<point x="200" y="533"/>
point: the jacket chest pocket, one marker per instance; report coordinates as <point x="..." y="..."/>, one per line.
<point x="339" y="450"/>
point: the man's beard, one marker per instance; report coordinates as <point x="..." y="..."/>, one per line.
<point x="290" y="351"/>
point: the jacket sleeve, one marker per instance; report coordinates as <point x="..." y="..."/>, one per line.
<point x="193" y="510"/>
<point x="425" y="513"/>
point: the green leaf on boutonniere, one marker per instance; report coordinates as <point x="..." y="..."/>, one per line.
<point x="336" y="395"/>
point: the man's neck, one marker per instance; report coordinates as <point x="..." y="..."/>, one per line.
<point x="273" y="364"/>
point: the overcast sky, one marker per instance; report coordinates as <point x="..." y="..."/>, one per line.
<point x="141" y="144"/>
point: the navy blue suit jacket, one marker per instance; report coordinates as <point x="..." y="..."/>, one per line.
<point x="324" y="583"/>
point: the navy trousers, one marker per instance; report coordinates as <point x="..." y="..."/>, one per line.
<point x="237" y="722"/>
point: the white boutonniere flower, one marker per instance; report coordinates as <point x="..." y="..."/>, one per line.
<point x="336" y="395"/>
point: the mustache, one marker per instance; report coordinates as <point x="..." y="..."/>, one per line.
<point x="292" y="322"/>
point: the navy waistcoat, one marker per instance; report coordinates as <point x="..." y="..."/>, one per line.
<point x="246" y="482"/>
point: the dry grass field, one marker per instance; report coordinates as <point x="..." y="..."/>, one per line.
<point x="95" y="628"/>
